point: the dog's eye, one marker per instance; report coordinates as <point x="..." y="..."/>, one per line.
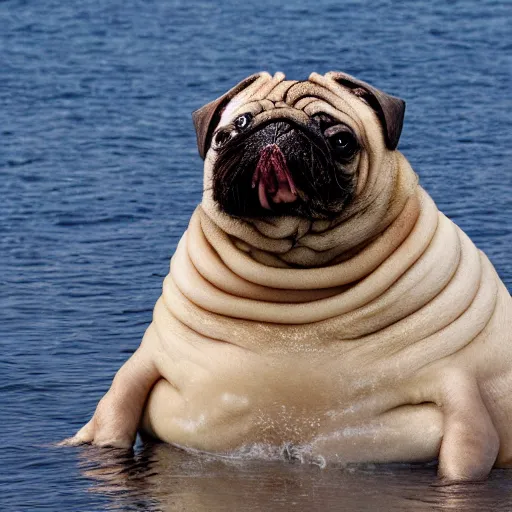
<point x="243" y="121"/>
<point x="343" y="142"/>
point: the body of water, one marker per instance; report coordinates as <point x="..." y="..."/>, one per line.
<point x="99" y="174"/>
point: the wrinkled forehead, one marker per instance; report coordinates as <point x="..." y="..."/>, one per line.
<point x="274" y="96"/>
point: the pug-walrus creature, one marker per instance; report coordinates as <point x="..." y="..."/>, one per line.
<point x="319" y="299"/>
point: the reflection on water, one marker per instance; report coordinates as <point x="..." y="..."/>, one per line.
<point x="159" y="477"/>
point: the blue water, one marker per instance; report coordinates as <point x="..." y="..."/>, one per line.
<point x="99" y="174"/>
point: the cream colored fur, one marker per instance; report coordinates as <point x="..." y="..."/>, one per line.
<point x="383" y="334"/>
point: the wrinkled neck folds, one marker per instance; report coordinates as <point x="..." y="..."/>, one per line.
<point x="296" y="260"/>
<point x="299" y="243"/>
<point x="225" y="274"/>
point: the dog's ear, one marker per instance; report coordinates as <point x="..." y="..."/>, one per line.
<point x="389" y="109"/>
<point x="207" y="118"/>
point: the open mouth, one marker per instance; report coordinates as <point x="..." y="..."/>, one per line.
<point x="273" y="179"/>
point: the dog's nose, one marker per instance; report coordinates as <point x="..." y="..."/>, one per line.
<point x="271" y="133"/>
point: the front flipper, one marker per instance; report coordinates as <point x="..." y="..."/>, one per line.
<point x="470" y="442"/>
<point x="118" y="414"/>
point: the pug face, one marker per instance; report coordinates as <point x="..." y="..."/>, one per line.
<point x="285" y="148"/>
<point x="281" y="167"/>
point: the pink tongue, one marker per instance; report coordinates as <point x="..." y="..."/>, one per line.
<point x="273" y="178"/>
